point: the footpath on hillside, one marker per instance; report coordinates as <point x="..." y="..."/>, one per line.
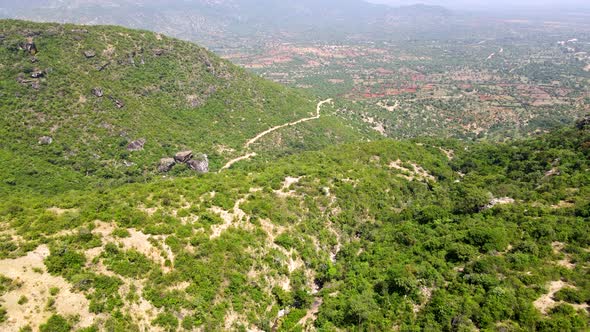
<point x="268" y="131"/>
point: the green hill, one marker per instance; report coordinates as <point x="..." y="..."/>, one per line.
<point x="411" y="235"/>
<point x="91" y="91"/>
<point x="309" y="234"/>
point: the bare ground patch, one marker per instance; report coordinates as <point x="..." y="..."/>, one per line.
<point x="284" y="191"/>
<point x="416" y="173"/>
<point x="546" y="301"/>
<point x="59" y="211"/>
<point x="229" y="217"/>
<point x="566" y="261"/>
<point x="137" y="240"/>
<point x="35" y="282"/>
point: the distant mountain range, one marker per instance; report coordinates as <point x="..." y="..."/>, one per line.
<point x="215" y="21"/>
<point x="498" y="5"/>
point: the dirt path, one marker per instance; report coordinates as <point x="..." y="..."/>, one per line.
<point x="268" y="131"/>
<point x="312" y="312"/>
<point x="233" y="161"/>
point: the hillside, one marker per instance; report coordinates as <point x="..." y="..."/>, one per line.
<point x="285" y="215"/>
<point x="410" y="235"/>
<point x="104" y="104"/>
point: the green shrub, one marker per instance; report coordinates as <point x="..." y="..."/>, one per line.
<point x="64" y="261"/>
<point x="167" y="321"/>
<point x="56" y="323"/>
<point x="571" y="295"/>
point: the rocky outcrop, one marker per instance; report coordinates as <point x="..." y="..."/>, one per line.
<point x="89" y="54"/>
<point x="166" y="164"/>
<point x="183" y="156"/>
<point x="118" y="103"/>
<point x="97" y="92"/>
<point x="45" y="140"/>
<point x="584" y="123"/>
<point x="34" y="82"/>
<point x="29" y="47"/>
<point x="37" y="74"/>
<point x="499" y="201"/>
<point x="136" y="145"/>
<point x="199" y="164"/>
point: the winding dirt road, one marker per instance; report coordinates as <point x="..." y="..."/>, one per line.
<point x="268" y="131"/>
<point x="233" y="161"/>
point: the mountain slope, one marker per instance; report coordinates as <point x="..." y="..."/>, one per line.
<point x="375" y="236"/>
<point x="231" y="22"/>
<point x="75" y="106"/>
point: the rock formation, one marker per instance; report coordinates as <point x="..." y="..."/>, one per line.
<point x="183" y="156"/>
<point x="29" y="47"/>
<point x="136" y="145"/>
<point x="37" y="74"/>
<point x="97" y="92"/>
<point x="118" y="103"/>
<point x="45" y="140"/>
<point x="200" y="163"/>
<point x="166" y="164"/>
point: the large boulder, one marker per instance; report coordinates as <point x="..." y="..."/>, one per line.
<point x="166" y="164"/>
<point x="45" y="140"/>
<point x="199" y="164"/>
<point x="136" y="145"/>
<point x="183" y="156"/>
<point x="89" y="54"/>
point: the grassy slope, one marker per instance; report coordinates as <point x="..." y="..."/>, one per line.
<point x="414" y="254"/>
<point x="90" y="134"/>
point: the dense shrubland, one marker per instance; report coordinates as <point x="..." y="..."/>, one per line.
<point x="380" y="248"/>
<point x="424" y="234"/>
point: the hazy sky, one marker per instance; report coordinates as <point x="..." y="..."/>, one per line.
<point x="497" y="4"/>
